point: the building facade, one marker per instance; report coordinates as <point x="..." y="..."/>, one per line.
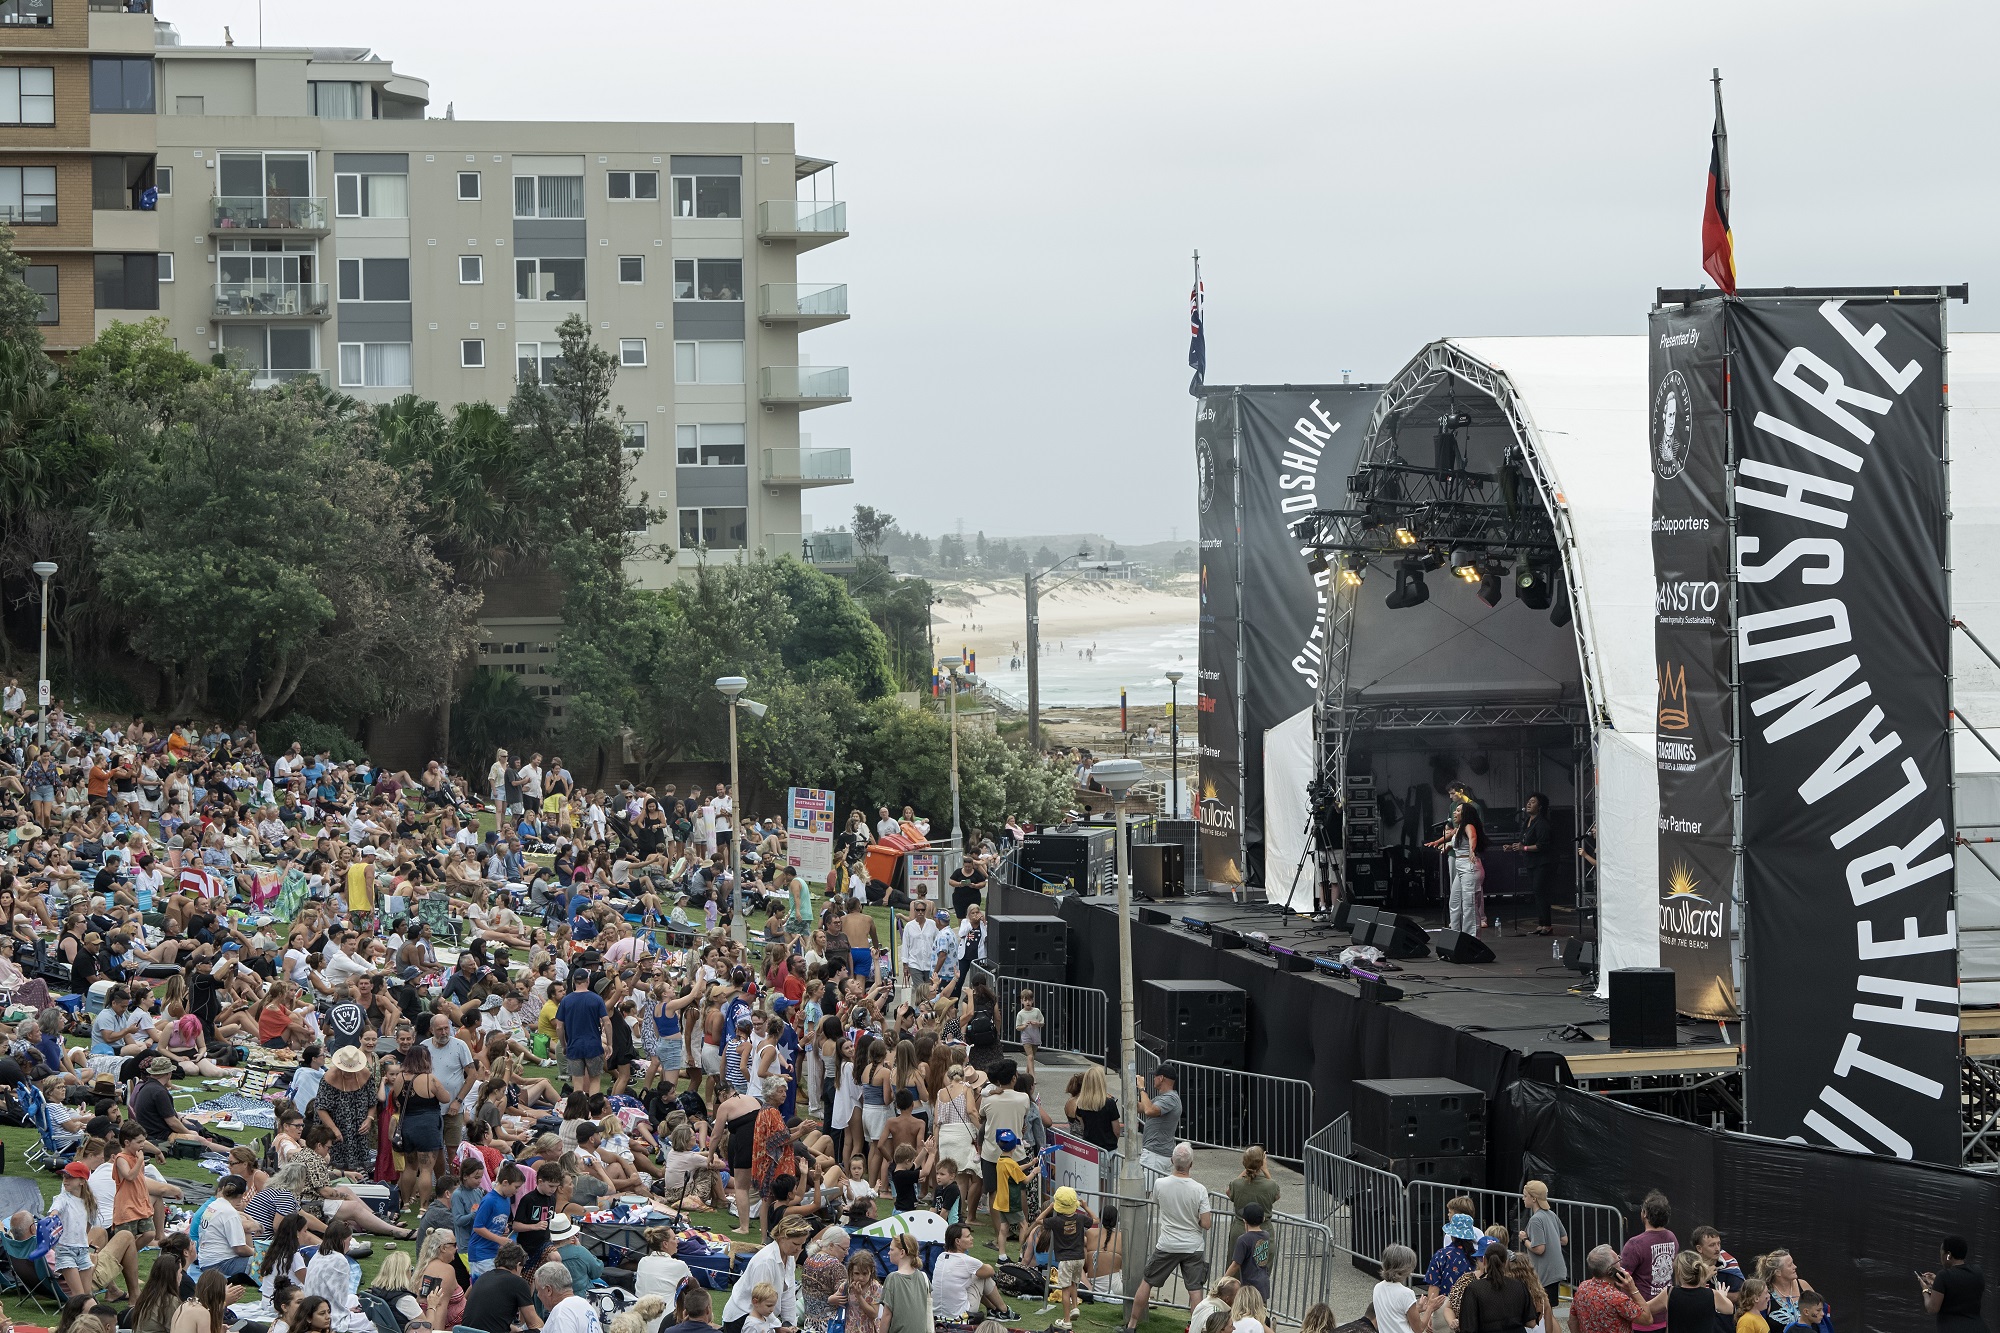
<point x="301" y="213"/>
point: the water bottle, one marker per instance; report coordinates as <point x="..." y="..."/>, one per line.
<point x="1556" y="950"/>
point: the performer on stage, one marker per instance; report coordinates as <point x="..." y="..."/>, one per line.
<point x="1466" y="838"/>
<point x="1538" y="853"/>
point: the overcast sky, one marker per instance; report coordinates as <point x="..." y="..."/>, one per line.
<point x="1026" y="182"/>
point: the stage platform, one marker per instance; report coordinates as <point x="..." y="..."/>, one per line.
<point x="1526" y="1000"/>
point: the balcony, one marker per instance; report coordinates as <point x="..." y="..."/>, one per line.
<point x="806" y="468"/>
<point x="292" y="216"/>
<point x="801" y="386"/>
<point x="802" y="305"/>
<point x="121" y="6"/>
<point x="267" y="300"/>
<point x="806" y="223"/>
<point x="831" y="551"/>
<point x="264" y="378"/>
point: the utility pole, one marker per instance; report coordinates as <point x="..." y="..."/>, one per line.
<point x="1034" y="665"/>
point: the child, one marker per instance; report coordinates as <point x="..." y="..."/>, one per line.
<point x="763" y="1316"/>
<point x="1250" y="1258"/>
<point x="945" y="1192"/>
<point x="903" y="1177"/>
<point x="1010" y="1190"/>
<point x="70" y="1261"/>
<point x="1068" y="1224"/>
<point x="899" y="1131"/>
<point x="490" y="1224"/>
<point x="1028" y="1026"/>
<point x="1812" y="1314"/>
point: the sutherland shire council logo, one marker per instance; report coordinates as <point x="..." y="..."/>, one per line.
<point x="1673" y="426"/>
<point x="1204" y="467"/>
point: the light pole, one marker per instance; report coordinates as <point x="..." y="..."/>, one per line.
<point x="952" y="666"/>
<point x="1033" y="593"/>
<point x="1117" y="777"/>
<point x="47" y="569"/>
<point x="731" y="687"/>
<point x="1174" y="740"/>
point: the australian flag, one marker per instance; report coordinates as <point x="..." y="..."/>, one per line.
<point x="1197" y="341"/>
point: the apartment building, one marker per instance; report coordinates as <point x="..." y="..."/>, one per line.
<point x="302" y="212"/>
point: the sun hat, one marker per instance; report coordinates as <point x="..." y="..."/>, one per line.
<point x="1460" y="1227"/>
<point x="350" y="1060"/>
<point x="561" y="1226"/>
<point x="160" y="1067"/>
<point x="1065" y="1201"/>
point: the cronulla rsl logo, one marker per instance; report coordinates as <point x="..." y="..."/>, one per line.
<point x="1673" y="426"/>
<point x="1686" y="917"/>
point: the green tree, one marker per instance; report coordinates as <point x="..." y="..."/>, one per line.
<point x="904" y="756"/>
<point x="831" y="634"/>
<point x="493" y="710"/>
<point x="20" y="308"/>
<point x="871" y="526"/>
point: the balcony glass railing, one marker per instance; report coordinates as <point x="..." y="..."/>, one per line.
<point x="270" y="298"/>
<point x="793" y="300"/>
<point x="121" y="6"/>
<point x="808" y="465"/>
<point x="265" y="378"/>
<point x="254" y="212"/>
<point x="802" y="383"/>
<point x="802" y="217"/>
<point x="828" y="549"/>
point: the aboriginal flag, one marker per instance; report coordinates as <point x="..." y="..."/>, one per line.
<point x="1718" y="248"/>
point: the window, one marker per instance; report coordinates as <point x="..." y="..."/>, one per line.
<point x="471" y="268"/>
<point x="27" y="13"/>
<point x="120" y="84"/>
<point x="45" y="280"/>
<point x="264" y="176"/>
<point x="374" y="280"/>
<point x="468" y="185"/>
<point x="286" y="349"/>
<point x="28" y="95"/>
<point x="635" y="436"/>
<point x="708" y="279"/>
<point x="712" y="445"/>
<point x="163" y="181"/>
<point x="375" y="365"/>
<point x="119" y="184"/>
<point x="472" y="353"/>
<point x="708" y="196"/>
<point x="28" y="195"/>
<point x="128" y="282"/>
<point x="548" y="196"/>
<point x="717" y="529"/>
<point x="359" y="196"/>
<point x="166" y="266"/>
<point x="631" y="351"/>
<point x="265" y="263"/>
<point x="635" y="184"/>
<point x="548" y="279"/>
<point x="336" y="100"/>
<point x="537" y="360"/>
<point x="631" y="268"/>
<point x="708" y="363"/>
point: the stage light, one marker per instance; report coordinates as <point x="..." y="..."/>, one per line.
<point x="1404" y="537"/>
<point x="1316" y="564"/>
<point x="1465" y="565"/>
<point x="1559" y="593"/>
<point x="1352" y="568"/>
<point x="1411" y="589"/>
<point x="1531" y="585"/>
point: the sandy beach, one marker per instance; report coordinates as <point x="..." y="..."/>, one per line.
<point x="1097" y="636"/>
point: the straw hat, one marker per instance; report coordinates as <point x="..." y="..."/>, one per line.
<point x="350" y="1060"/>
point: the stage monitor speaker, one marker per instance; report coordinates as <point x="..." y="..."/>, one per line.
<point x="1153" y="916"/>
<point x="1377" y="991"/>
<point x="1222" y="937"/>
<point x="1418" y="1117"/>
<point x="1455" y="946"/>
<point x="1343" y="915"/>
<point x="1580" y="955"/>
<point x="1159" y="869"/>
<point x="1397" y="936"/>
<point x="1014" y="942"/>
<point x="1184" y="1011"/>
<point x="1360" y="921"/>
<point x="1642" y="1007"/>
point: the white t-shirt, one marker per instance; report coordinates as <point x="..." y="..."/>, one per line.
<point x="103" y="1192"/>
<point x="221" y="1233"/>
<point x="573" y="1314"/>
<point x="298" y="967"/>
<point x="955" y="1285"/>
<point x="1392" y="1306"/>
<point x="74" y="1215"/>
<point x="1180" y="1201"/>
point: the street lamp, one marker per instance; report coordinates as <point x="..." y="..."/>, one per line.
<point x="1117" y="776"/>
<point x="1174" y="738"/>
<point x="1035" y="645"/>
<point x="732" y="687"/>
<point x="46" y="569"/>
<point x="952" y="666"/>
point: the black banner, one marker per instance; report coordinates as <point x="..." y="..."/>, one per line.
<point x="1690" y="446"/>
<point x="1218" y="802"/>
<point x="1298" y="447"/>
<point x="1843" y="627"/>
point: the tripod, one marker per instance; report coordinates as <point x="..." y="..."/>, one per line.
<point x="1314" y="838"/>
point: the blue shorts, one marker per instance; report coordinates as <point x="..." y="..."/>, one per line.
<point x="864" y="962"/>
<point x="71" y="1256"/>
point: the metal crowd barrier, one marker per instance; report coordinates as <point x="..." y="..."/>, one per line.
<point x="1364" y="1209"/>
<point x="1078" y="1018"/>
<point x="1302" y="1255"/>
<point x="1233" y="1109"/>
<point x="1587" y="1225"/>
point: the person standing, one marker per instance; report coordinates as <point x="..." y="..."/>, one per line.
<point x="1608" y="1300"/>
<point x="1159" y="1120"/>
<point x="582" y="1023"/>
<point x="1181" y="1203"/>
<point x="451" y="1062"/>
<point x="1649" y="1256"/>
<point x="1544" y="1240"/>
<point x="1466" y="839"/>
<point x="1954" y="1292"/>
<point x="777" y="1264"/>
<point x="1538" y="859"/>
<point x="906" y="1293"/>
<point x="1254" y="1185"/>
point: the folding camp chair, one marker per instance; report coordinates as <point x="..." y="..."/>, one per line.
<point x="27" y="1269"/>
<point x="52" y="1148"/>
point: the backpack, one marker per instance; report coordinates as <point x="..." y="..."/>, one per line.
<point x="1018" y="1280"/>
<point x="980" y="1030"/>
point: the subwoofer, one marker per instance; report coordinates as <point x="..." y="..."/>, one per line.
<point x="1642" y="1007"/>
<point x="1455" y="946"/>
<point x="1396" y="936"/>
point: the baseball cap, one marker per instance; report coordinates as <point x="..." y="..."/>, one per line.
<point x="76" y="1171"/>
<point x="1007" y="1139"/>
<point x="780" y="1005"/>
